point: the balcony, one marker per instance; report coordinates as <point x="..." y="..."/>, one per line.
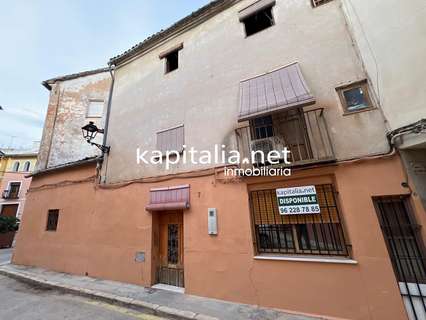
<point x="10" y="194"/>
<point x="304" y="133"/>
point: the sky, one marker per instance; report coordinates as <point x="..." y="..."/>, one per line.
<point x="42" y="39"/>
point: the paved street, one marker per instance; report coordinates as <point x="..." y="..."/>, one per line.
<point x="20" y="301"/>
<point x="5" y="255"/>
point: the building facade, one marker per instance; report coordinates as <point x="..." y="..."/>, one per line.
<point x="74" y="101"/>
<point x="241" y="76"/>
<point x="15" y="166"/>
<point x="396" y="77"/>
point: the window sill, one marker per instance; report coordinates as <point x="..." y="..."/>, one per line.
<point x="306" y="259"/>
<point x="348" y="113"/>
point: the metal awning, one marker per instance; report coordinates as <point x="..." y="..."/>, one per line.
<point x="169" y="198"/>
<point x="280" y="89"/>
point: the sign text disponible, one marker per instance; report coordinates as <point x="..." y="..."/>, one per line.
<point x="298" y="200"/>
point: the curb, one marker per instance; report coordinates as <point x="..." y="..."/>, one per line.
<point x="139" y="305"/>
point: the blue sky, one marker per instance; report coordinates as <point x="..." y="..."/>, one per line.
<point x="41" y="39"/>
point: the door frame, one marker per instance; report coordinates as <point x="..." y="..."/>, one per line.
<point x="166" y="273"/>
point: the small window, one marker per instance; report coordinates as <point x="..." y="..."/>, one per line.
<point x="355" y="97"/>
<point x="316" y="3"/>
<point x="95" y="109"/>
<point x="16" y="166"/>
<point x="262" y="128"/>
<point x="52" y="220"/>
<point x="257" y="21"/>
<point x="171" y="140"/>
<point x="172" y="61"/>
<point x="171" y="57"/>
<point x="14" y="188"/>
<point x="27" y="166"/>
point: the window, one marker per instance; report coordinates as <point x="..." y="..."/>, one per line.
<point x="14" y="190"/>
<point x="257" y="17"/>
<point x="52" y="220"/>
<point x="171" y="57"/>
<point x="170" y="140"/>
<point x="173" y="244"/>
<point x="172" y="61"/>
<point x="319" y="234"/>
<point x="16" y="166"/>
<point x="95" y="109"/>
<point x="262" y="128"/>
<point x="402" y="237"/>
<point x="27" y="166"/>
<point x="316" y="3"/>
<point x="355" y="97"/>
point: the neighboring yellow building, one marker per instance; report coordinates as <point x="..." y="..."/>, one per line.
<point x="15" y="160"/>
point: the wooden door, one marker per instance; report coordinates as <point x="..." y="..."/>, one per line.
<point x="171" y="248"/>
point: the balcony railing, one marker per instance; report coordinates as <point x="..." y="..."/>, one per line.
<point x="304" y="133"/>
<point x="10" y="194"/>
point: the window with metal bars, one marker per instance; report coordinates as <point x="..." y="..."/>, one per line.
<point x="52" y="220"/>
<point x="402" y="236"/>
<point x="317" y="234"/>
<point x="14" y="188"/>
<point x="262" y="127"/>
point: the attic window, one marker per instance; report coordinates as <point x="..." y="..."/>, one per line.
<point x="171" y="58"/>
<point x="316" y="3"/>
<point x="172" y="61"/>
<point x="257" y="17"/>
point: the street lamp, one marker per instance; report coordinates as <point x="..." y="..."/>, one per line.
<point x="90" y="131"/>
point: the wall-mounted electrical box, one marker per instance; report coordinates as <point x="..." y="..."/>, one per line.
<point x="212" y="221"/>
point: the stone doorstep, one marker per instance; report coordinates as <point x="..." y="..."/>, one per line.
<point x="140" y="305"/>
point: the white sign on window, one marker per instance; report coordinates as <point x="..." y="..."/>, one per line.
<point x="298" y="200"/>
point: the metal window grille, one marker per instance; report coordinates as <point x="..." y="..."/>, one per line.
<point x="262" y="127"/>
<point x="406" y="250"/>
<point x="52" y="220"/>
<point x="318" y="234"/>
<point x="14" y="190"/>
<point x="173" y="244"/>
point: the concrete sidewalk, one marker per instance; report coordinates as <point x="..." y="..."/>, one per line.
<point x="156" y="301"/>
<point x="5" y="255"/>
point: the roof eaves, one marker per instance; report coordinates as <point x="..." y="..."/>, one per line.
<point x="47" y="83"/>
<point x="65" y="166"/>
<point x="201" y="14"/>
<point x="21" y="155"/>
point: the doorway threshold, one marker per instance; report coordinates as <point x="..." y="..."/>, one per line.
<point x="168" y="288"/>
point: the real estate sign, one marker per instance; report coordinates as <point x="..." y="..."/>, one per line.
<point x="298" y="200"/>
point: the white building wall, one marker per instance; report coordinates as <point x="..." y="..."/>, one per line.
<point x="203" y="94"/>
<point x="391" y="38"/>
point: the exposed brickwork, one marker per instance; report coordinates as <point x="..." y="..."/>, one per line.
<point x="62" y="140"/>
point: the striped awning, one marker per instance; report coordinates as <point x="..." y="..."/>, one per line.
<point x="273" y="91"/>
<point x="169" y="198"/>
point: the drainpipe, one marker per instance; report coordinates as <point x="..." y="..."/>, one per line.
<point x="108" y="111"/>
<point x="107" y="115"/>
